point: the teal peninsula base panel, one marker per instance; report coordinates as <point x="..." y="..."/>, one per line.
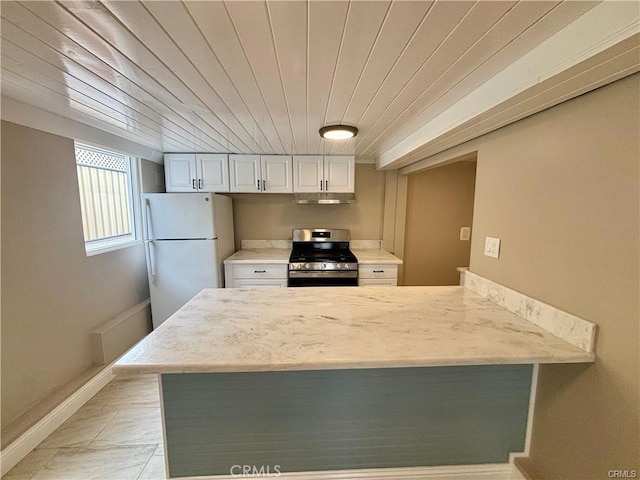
<point x="269" y="422"/>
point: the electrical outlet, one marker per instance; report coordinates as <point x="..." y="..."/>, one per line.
<point x="492" y="247"/>
<point x="465" y="233"/>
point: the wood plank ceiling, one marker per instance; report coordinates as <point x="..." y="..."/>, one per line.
<point x="263" y="77"/>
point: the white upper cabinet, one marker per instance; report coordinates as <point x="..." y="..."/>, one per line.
<point x="308" y="173"/>
<point x="261" y="173"/>
<point x="277" y="173"/>
<point x="180" y="172"/>
<point x="239" y="173"/>
<point x="244" y="171"/>
<point x="315" y="173"/>
<point x="190" y="172"/>
<point x="339" y="174"/>
<point x="213" y="171"/>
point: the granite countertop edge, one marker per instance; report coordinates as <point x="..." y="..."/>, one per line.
<point x="251" y="329"/>
<point x="231" y="368"/>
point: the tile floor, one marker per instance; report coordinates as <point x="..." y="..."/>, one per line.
<point x="117" y="435"/>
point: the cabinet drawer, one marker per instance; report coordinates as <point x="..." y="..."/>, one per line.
<point x="378" y="271"/>
<point x="260" y="282"/>
<point x="260" y="271"/>
<point x="377" y="282"/>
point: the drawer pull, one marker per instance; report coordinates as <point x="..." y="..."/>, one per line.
<point x="259" y="271"/>
<point x="378" y="271"/>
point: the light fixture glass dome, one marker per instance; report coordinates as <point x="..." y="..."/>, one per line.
<point x="338" y="132"/>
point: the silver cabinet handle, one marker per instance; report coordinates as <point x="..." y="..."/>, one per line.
<point x="200" y="183"/>
<point x="259" y="271"/>
<point x="193" y="184"/>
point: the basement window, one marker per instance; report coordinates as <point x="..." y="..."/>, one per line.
<point x="106" y="181"/>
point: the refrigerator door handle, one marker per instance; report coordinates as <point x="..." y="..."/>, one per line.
<point x="152" y="260"/>
<point x="148" y="226"/>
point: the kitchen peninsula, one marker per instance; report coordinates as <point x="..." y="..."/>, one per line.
<point x="343" y="378"/>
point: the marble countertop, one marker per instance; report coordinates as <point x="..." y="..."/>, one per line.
<point x="370" y="256"/>
<point x="253" y="329"/>
<point x="281" y="255"/>
<point x="260" y="255"/>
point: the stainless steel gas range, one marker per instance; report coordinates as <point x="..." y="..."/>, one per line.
<point x="321" y="258"/>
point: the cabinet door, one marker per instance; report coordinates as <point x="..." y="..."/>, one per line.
<point x="339" y="174"/>
<point x="378" y="271"/>
<point x="277" y="173"/>
<point x="308" y="173"/>
<point x="249" y="282"/>
<point x="213" y="172"/>
<point x="260" y="270"/>
<point x="374" y="282"/>
<point x="244" y="173"/>
<point x="180" y="172"/>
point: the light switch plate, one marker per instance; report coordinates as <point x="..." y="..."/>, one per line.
<point x="465" y="233"/>
<point x="492" y="247"/>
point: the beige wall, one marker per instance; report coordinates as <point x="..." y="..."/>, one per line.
<point x="561" y="189"/>
<point x="151" y="177"/>
<point x="439" y="202"/>
<point x="272" y="217"/>
<point x="53" y="295"/>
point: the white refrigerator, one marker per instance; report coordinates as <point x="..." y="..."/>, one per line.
<point x="187" y="237"/>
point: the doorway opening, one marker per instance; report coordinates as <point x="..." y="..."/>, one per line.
<point x="439" y="210"/>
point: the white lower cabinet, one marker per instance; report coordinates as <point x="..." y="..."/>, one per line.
<point x="377" y="275"/>
<point x="255" y="275"/>
<point x="275" y="275"/>
<point x="377" y="282"/>
<point x="259" y="282"/>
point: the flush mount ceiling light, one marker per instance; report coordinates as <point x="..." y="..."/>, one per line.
<point x="338" y="132"/>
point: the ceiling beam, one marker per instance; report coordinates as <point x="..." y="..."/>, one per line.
<point x="593" y="35"/>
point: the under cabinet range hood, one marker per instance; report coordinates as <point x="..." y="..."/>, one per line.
<point x="323" y="198"/>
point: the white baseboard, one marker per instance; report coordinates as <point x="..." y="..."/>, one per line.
<point x="29" y="440"/>
<point x="493" y="471"/>
<point x="517" y="473"/>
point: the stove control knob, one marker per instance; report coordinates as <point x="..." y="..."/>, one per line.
<point x="324" y="265"/>
<point x="307" y="266"/>
<point x="339" y="266"/>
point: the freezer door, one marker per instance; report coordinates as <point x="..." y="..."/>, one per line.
<point x="178" y="270"/>
<point x="179" y="216"/>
